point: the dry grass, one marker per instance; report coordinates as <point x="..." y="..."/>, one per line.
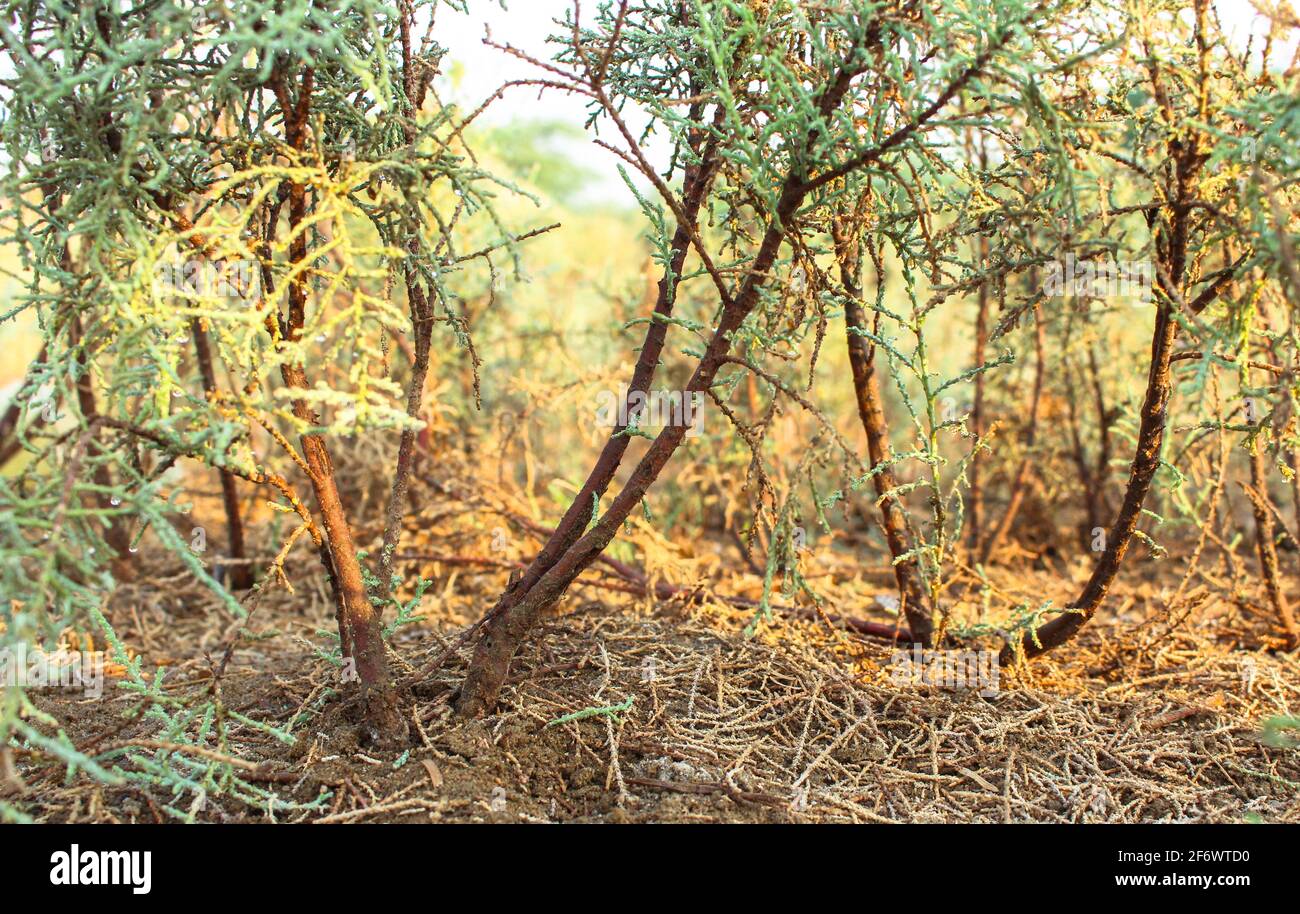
<point x="1154" y="714"/>
<point x="800" y="722"/>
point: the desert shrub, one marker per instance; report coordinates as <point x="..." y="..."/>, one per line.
<point x="243" y="233"/>
<point x="254" y="236"/>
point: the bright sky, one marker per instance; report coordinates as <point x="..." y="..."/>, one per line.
<point x="526" y="25"/>
<point x="480" y="70"/>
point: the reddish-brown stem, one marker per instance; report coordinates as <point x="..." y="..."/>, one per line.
<point x="1020" y="482"/>
<point x="421" y="312"/>
<point x="117" y="536"/>
<point x="505" y="631"/>
<point x="866" y="389"/>
<point x="241" y="573"/>
<point x="1264" y="545"/>
<point x="422" y="324"/>
<point x="360" y="632"/>
<point x="1146" y="460"/>
<point x="1171" y="244"/>
<point x="975" y="511"/>
<point x="578" y="515"/>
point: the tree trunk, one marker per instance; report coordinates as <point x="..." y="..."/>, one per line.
<point x="507" y="628"/>
<point x="1171" y="240"/>
<point x="361" y="636"/>
<point x="360" y="631"/>
<point x="866" y="388"/>
<point x="578" y="515"/>
<point x="1146" y="460"/>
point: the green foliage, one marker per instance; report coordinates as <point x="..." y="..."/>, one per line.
<point x="186" y="177"/>
<point x="274" y="187"/>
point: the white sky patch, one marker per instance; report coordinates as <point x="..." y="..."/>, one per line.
<point x="526" y="24"/>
